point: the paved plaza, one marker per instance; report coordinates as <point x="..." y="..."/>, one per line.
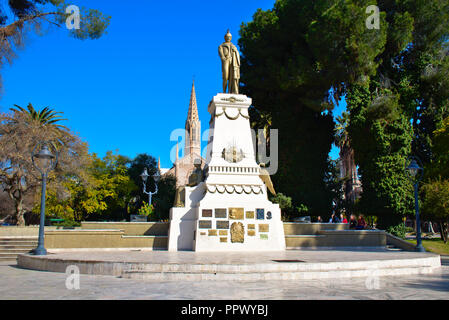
<point x="17" y="283"/>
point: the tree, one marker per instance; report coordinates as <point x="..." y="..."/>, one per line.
<point x="435" y="204"/>
<point x="165" y="197"/>
<point x="285" y="203"/>
<point x="408" y="86"/>
<point x="296" y="61"/>
<point x="136" y="167"/>
<point x="20" y="131"/>
<point x="349" y="177"/>
<point x="381" y="136"/>
<point x="29" y="14"/>
<point x="439" y="167"/>
<point x="104" y="194"/>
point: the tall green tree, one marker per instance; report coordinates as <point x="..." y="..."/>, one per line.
<point x="394" y="112"/>
<point x="381" y="136"/>
<point x="296" y="61"/>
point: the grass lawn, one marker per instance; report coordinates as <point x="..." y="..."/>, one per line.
<point x="434" y="245"/>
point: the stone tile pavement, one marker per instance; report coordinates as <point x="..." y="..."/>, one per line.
<point x="16" y="283"/>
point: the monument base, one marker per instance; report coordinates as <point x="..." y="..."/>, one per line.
<point x="229" y="210"/>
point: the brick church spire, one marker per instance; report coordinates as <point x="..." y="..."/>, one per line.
<point x="193" y="126"/>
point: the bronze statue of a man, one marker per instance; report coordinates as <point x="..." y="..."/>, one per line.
<point x="230" y="63"/>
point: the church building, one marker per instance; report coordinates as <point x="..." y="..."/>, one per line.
<point x="183" y="167"/>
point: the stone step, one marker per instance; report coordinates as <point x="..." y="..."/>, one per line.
<point x="17" y="246"/>
<point x="3" y="259"/>
<point x="17" y="239"/>
<point x="283" y="275"/>
<point x="19" y="243"/>
<point x="16" y="250"/>
<point x="390" y="247"/>
<point x="278" y="266"/>
<point x="10" y="254"/>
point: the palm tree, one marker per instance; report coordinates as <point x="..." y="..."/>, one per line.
<point x="44" y="117"/>
<point x="18" y="135"/>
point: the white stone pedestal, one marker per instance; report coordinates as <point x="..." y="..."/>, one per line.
<point x="230" y="210"/>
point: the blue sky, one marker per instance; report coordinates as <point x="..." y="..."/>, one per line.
<point x="130" y="89"/>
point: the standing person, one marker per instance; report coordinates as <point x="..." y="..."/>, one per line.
<point x="343" y="218"/>
<point x="361" y="223"/>
<point x="332" y="218"/>
<point x="352" y="222"/>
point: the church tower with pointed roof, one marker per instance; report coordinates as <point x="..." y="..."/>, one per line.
<point x="183" y="167"/>
<point x="193" y="127"/>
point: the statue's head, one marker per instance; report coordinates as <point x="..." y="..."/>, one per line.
<point x="228" y="36"/>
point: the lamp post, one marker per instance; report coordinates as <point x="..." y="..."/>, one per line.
<point x="44" y="161"/>
<point x="415" y="173"/>
<point x="156" y="178"/>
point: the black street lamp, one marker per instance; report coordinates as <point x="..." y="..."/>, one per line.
<point x="156" y="178"/>
<point x="44" y="161"/>
<point x="415" y="173"/>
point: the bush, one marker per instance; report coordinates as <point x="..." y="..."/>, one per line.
<point x="398" y="231"/>
<point x="67" y="224"/>
<point x="147" y="210"/>
<point x="285" y="203"/>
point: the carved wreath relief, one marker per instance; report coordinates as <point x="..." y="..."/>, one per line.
<point x="232" y="154"/>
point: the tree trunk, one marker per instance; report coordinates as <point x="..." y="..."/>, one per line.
<point x="443" y="230"/>
<point x="20" y="212"/>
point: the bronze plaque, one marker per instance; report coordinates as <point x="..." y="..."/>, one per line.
<point x="223" y="224"/>
<point x="264" y="227"/>
<point x="223" y="232"/>
<point x="237" y="232"/>
<point x="212" y="232"/>
<point x="205" y="224"/>
<point x="223" y="239"/>
<point x="202" y="233"/>
<point x="251" y="226"/>
<point x="251" y="233"/>
<point x="236" y="213"/>
<point x="249" y="214"/>
<point x="220" y="213"/>
<point x="207" y="213"/>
